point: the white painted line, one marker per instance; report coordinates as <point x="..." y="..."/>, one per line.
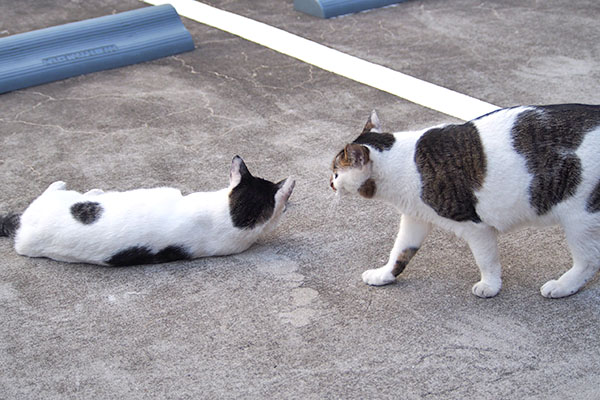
<point x="407" y="87"/>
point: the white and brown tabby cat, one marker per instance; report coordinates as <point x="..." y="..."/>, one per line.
<point x="515" y="167"/>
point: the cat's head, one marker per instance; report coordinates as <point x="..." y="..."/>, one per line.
<point x="352" y="167"/>
<point x="255" y="203"/>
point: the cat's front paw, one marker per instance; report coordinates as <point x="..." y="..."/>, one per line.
<point x="94" y="192"/>
<point x="485" y="289"/>
<point x="58" y="185"/>
<point x="554" y="290"/>
<point x="378" y="277"/>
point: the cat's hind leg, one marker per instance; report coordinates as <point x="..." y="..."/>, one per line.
<point x="411" y="235"/>
<point x="483" y="242"/>
<point x="585" y="251"/>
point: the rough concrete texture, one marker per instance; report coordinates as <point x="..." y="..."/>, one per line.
<point x="290" y="318"/>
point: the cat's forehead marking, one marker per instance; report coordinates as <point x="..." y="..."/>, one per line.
<point x="353" y="155"/>
<point x="342" y="160"/>
<point x="549" y="136"/>
<point x="452" y="165"/>
<point x="86" y="212"/>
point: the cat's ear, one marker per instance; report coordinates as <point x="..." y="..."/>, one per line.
<point x="356" y="155"/>
<point x="285" y="188"/>
<point x="373" y="124"/>
<point x="238" y="171"/>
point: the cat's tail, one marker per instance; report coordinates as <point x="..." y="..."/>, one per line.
<point x="9" y="224"/>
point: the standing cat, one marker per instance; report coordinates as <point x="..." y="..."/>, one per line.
<point x="146" y="226"/>
<point x="537" y="165"/>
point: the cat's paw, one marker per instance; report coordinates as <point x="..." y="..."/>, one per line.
<point x="554" y="290"/>
<point x="485" y="289"/>
<point x="94" y="192"/>
<point x="378" y="277"/>
<point x="58" y="185"/>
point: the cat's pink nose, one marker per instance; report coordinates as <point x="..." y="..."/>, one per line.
<point x="331" y="184"/>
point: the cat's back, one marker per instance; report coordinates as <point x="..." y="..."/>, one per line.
<point x="138" y="201"/>
<point x="64" y="204"/>
<point x="531" y="129"/>
<point x="67" y="217"/>
<point x="537" y="160"/>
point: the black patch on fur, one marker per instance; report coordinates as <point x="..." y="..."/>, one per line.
<point x="138" y="255"/>
<point x="368" y="189"/>
<point x="86" y="212"/>
<point x="9" y="224"/>
<point x="452" y="166"/>
<point x="131" y="256"/>
<point x="403" y="260"/>
<point x="252" y="201"/>
<point x="379" y="141"/>
<point x="171" y="253"/>
<point x="548" y="137"/>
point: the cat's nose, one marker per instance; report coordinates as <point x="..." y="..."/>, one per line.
<point x="331" y="184"/>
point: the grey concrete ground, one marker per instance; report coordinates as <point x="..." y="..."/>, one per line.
<point x="290" y="318"/>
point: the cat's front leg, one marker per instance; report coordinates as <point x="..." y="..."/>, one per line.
<point x="484" y="246"/>
<point x="411" y="235"/>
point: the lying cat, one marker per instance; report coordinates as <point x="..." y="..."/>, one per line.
<point x="147" y="226"/>
<point x="519" y="166"/>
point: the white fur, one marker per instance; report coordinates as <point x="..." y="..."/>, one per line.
<point x="502" y="204"/>
<point x="154" y="218"/>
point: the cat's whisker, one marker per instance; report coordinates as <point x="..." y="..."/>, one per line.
<point x="333" y="204"/>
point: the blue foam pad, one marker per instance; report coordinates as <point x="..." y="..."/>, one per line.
<point x="333" y="8"/>
<point x="63" y="51"/>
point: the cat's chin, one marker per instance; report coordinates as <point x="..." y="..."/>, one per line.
<point x="342" y="191"/>
<point x="339" y="193"/>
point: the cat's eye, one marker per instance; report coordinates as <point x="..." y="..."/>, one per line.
<point x="335" y="175"/>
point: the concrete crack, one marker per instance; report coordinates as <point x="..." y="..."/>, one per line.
<point x="186" y="65"/>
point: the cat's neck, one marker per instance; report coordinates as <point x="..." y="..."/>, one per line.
<point x="394" y="172"/>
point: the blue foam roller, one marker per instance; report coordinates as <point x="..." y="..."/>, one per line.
<point x="96" y="44"/>
<point x="334" y="8"/>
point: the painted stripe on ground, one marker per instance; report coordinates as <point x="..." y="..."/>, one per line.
<point x="407" y="87"/>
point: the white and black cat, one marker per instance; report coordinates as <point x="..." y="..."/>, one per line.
<point x="537" y="165"/>
<point x="146" y="226"/>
